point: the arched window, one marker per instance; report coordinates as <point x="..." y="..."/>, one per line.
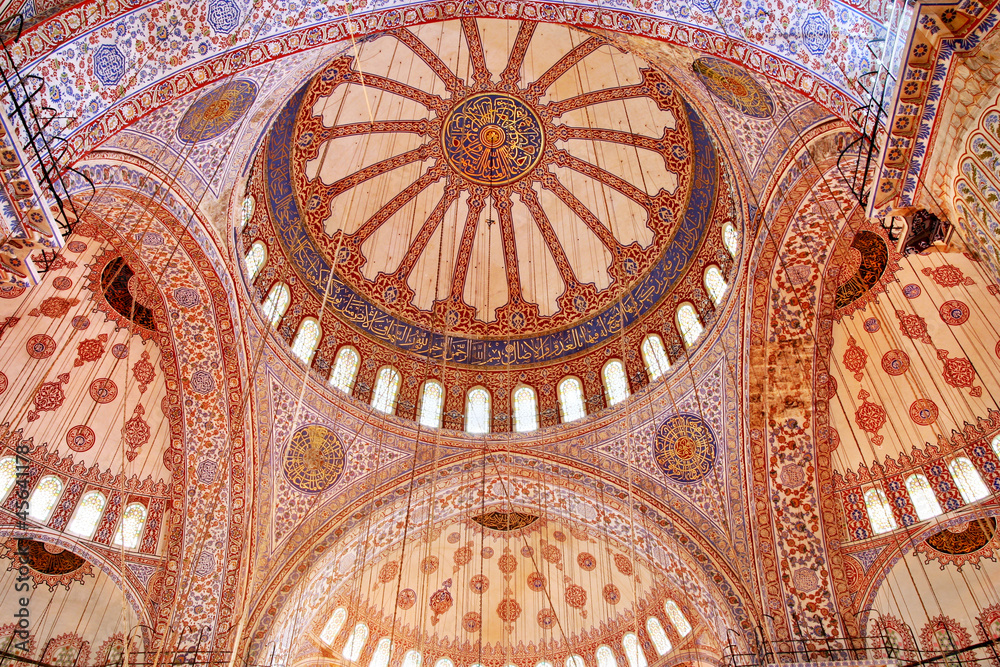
<point x="131" y="525"/>
<point x="544" y="663"/>
<point x="606" y="657"/>
<point x="380" y="656"/>
<point x="967" y="479"/>
<point x="615" y="382"/>
<point x="8" y="475"/>
<point x="677" y="617"/>
<point x="306" y="339"/>
<point x="571" y="405"/>
<point x="87" y="515"/>
<point x="386" y="390"/>
<point x="996" y="445"/>
<point x="525" y="410"/>
<point x="730" y="239"/>
<point x="412" y="658"/>
<point x="575" y="661"/>
<point x="922" y="496"/>
<point x="477" y="411"/>
<point x="654" y="356"/>
<point x="633" y="651"/>
<point x="276" y="303"/>
<point x="715" y="284"/>
<point x="44" y="498"/>
<point x="432" y="404"/>
<point x="879" y="512"/>
<point x="355" y="643"/>
<point x="334" y="625"/>
<point x="247" y="211"/>
<point x="656" y="632"/>
<point x="689" y="323"/>
<point x="345" y="369"/>
<point x="444" y="662"/>
<point x="255" y="260"/>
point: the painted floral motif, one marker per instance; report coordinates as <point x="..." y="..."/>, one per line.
<point x="954" y="312"/>
<point x="508" y="610"/>
<point x="103" y="390"/>
<point x="143" y="372"/>
<point x="479" y="584"/>
<point x="895" y="362"/>
<point x="136" y="433"/>
<point x="913" y="326"/>
<point x="948" y="275"/>
<point x="49" y="397"/>
<point x="80" y="438"/>
<point x="441" y="601"/>
<point x="855" y="358"/>
<point x="924" y="411"/>
<point x="40" y="346"/>
<point x="406" y="598"/>
<point x="90" y="349"/>
<point x="959" y="373"/>
<point x="870" y="417"/>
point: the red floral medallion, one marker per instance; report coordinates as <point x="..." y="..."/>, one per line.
<point x="40" y="346"/>
<point x="49" y="396"/>
<point x="576" y="596"/>
<point x="913" y="326"/>
<point x="143" y="372"/>
<point x="855" y="358"/>
<point x="948" y="276"/>
<point x="959" y="373"/>
<point x="870" y="417"/>
<point x="103" y="390"/>
<point x="924" y="411"/>
<point x="895" y="362"/>
<point x="80" y="438"/>
<point x="508" y="610"/>
<point x="954" y="313"/>
<point x="90" y="349"/>
<point x="55" y="306"/>
<point x="136" y="433"/>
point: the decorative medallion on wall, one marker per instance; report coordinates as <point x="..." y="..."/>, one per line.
<point x="968" y="543"/>
<point x="733" y="85"/>
<point x="215" y="112"/>
<point x="314" y="459"/>
<point x="130" y="298"/>
<point x="47" y="564"/>
<point x="870" y="256"/>
<point x="492" y="139"/>
<point x="684" y="448"/>
<point x="505" y="521"/>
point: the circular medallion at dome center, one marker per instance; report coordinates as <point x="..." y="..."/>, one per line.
<point x="492" y="139"/>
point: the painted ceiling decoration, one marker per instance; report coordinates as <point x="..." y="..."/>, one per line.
<point x="717" y="397"/>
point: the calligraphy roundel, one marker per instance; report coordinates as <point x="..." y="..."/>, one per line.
<point x="734" y="86"/>
<point x="314" y="459"/>
<point x="684" y="448"/>
<point x="215" y="112"/>
<point x="492" y="138"/>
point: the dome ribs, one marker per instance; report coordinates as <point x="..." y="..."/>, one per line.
<point x="661" y="145"/>
<point x="423" y="237"/>
<point x="578" y="53"/>
<point x="511" y="75"/>
<point x="480" y="73"/>
<point x="432" y="175"/>
<point x="451" y="81"/>
<point x="564" y="159"/>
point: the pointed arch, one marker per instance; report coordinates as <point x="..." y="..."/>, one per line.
<point x="525" y="409"/>
<point x="333" y="626"/>
<point x="255" y="260"/>
<point x="689" y="324"/>
<point x="731" y="239"/>
<point x="276" y="303"/>
<point x="307" y="339"/>
<point x="658" y="635"/>
<point x="355" y="643"/>
<point x="386" y="390"/>
<point x="615" y="381"/>
<point x="654" y="355"/>
<point x="431" y="404"/>
<point x="571" y="403"/>
<point x="345" y="369"/>
<point x="477" y="411"/>
<point x="715" y="284"/>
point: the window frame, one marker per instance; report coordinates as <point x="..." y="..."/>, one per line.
<point x="648" y="339"/>
<point x="534" y="409"/>
<point x="354" y="375"/>
<point x="722" y="277"/>
<point x="394" y="398"/>
<point x="312" y="350"/>
<point x="489" y="410"/>
<point x="680" y="328"/>
<point x="423" y="395"/>
<point x="252" y="275"/>
<point x="275" y="317"/>
<point x="604" y="382"/>
<point x="559" y="399"/>
<point x="76" y="515"/>
<point x="886" y="507"/>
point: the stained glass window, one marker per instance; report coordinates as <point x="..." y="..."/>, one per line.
<point x="477" y="411"/>
<point x="996" y="445"/>
<point x="656" y="632"/>
<point x="615" y="383"/>
<point x="715" y="284"/>
<point x="967" y="479"/>
<point x="606" y="657"/>
<point x="381" y="654"/>
<point x="571" y="406"/>
<point x="65" y="656"/>
<point x="731" y="239"/>
<point x="444" y="662"/>
<point x="8" y="475"/>
<point x="386" y="390"/>
<point x="247" y="212"/>
<point x="334" y="625"/>
<point x="255" y="260"/>
<point x="689" y="323"/>
<point x="276" y="303"/>
<point x="355" y="643"/>
<point x="131" y="525"/>
<point x="432" y="404"/>
<point x="575" y="661"/>
<point x="677" y="617"/>
<point x="922" y="496"/>
<point x="655" y="356"/>
<point x="412" y="658"/>
<point x="633" y="651"/>
<point x="306" y="339"/>
<point x="43" y="499"/>
<point x="879" y="512"/>
<point x="525" y="410"/>
<point x="345" y="369"/>
<point x="87" y="514"/>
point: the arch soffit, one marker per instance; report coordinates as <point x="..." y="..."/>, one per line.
<point x="216" y="351"/>
<point x="328" y="531"/>
<point x="118" y="110"/>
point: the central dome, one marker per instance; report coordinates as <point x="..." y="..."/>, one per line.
<point x="507" y="184"/>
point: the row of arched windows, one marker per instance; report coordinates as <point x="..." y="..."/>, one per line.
<point x="967" y="479"/>
<point x="89" y="509"/>
<point x="604" y="656"/>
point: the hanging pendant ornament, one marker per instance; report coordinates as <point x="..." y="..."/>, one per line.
<point x="441" y="601"/>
